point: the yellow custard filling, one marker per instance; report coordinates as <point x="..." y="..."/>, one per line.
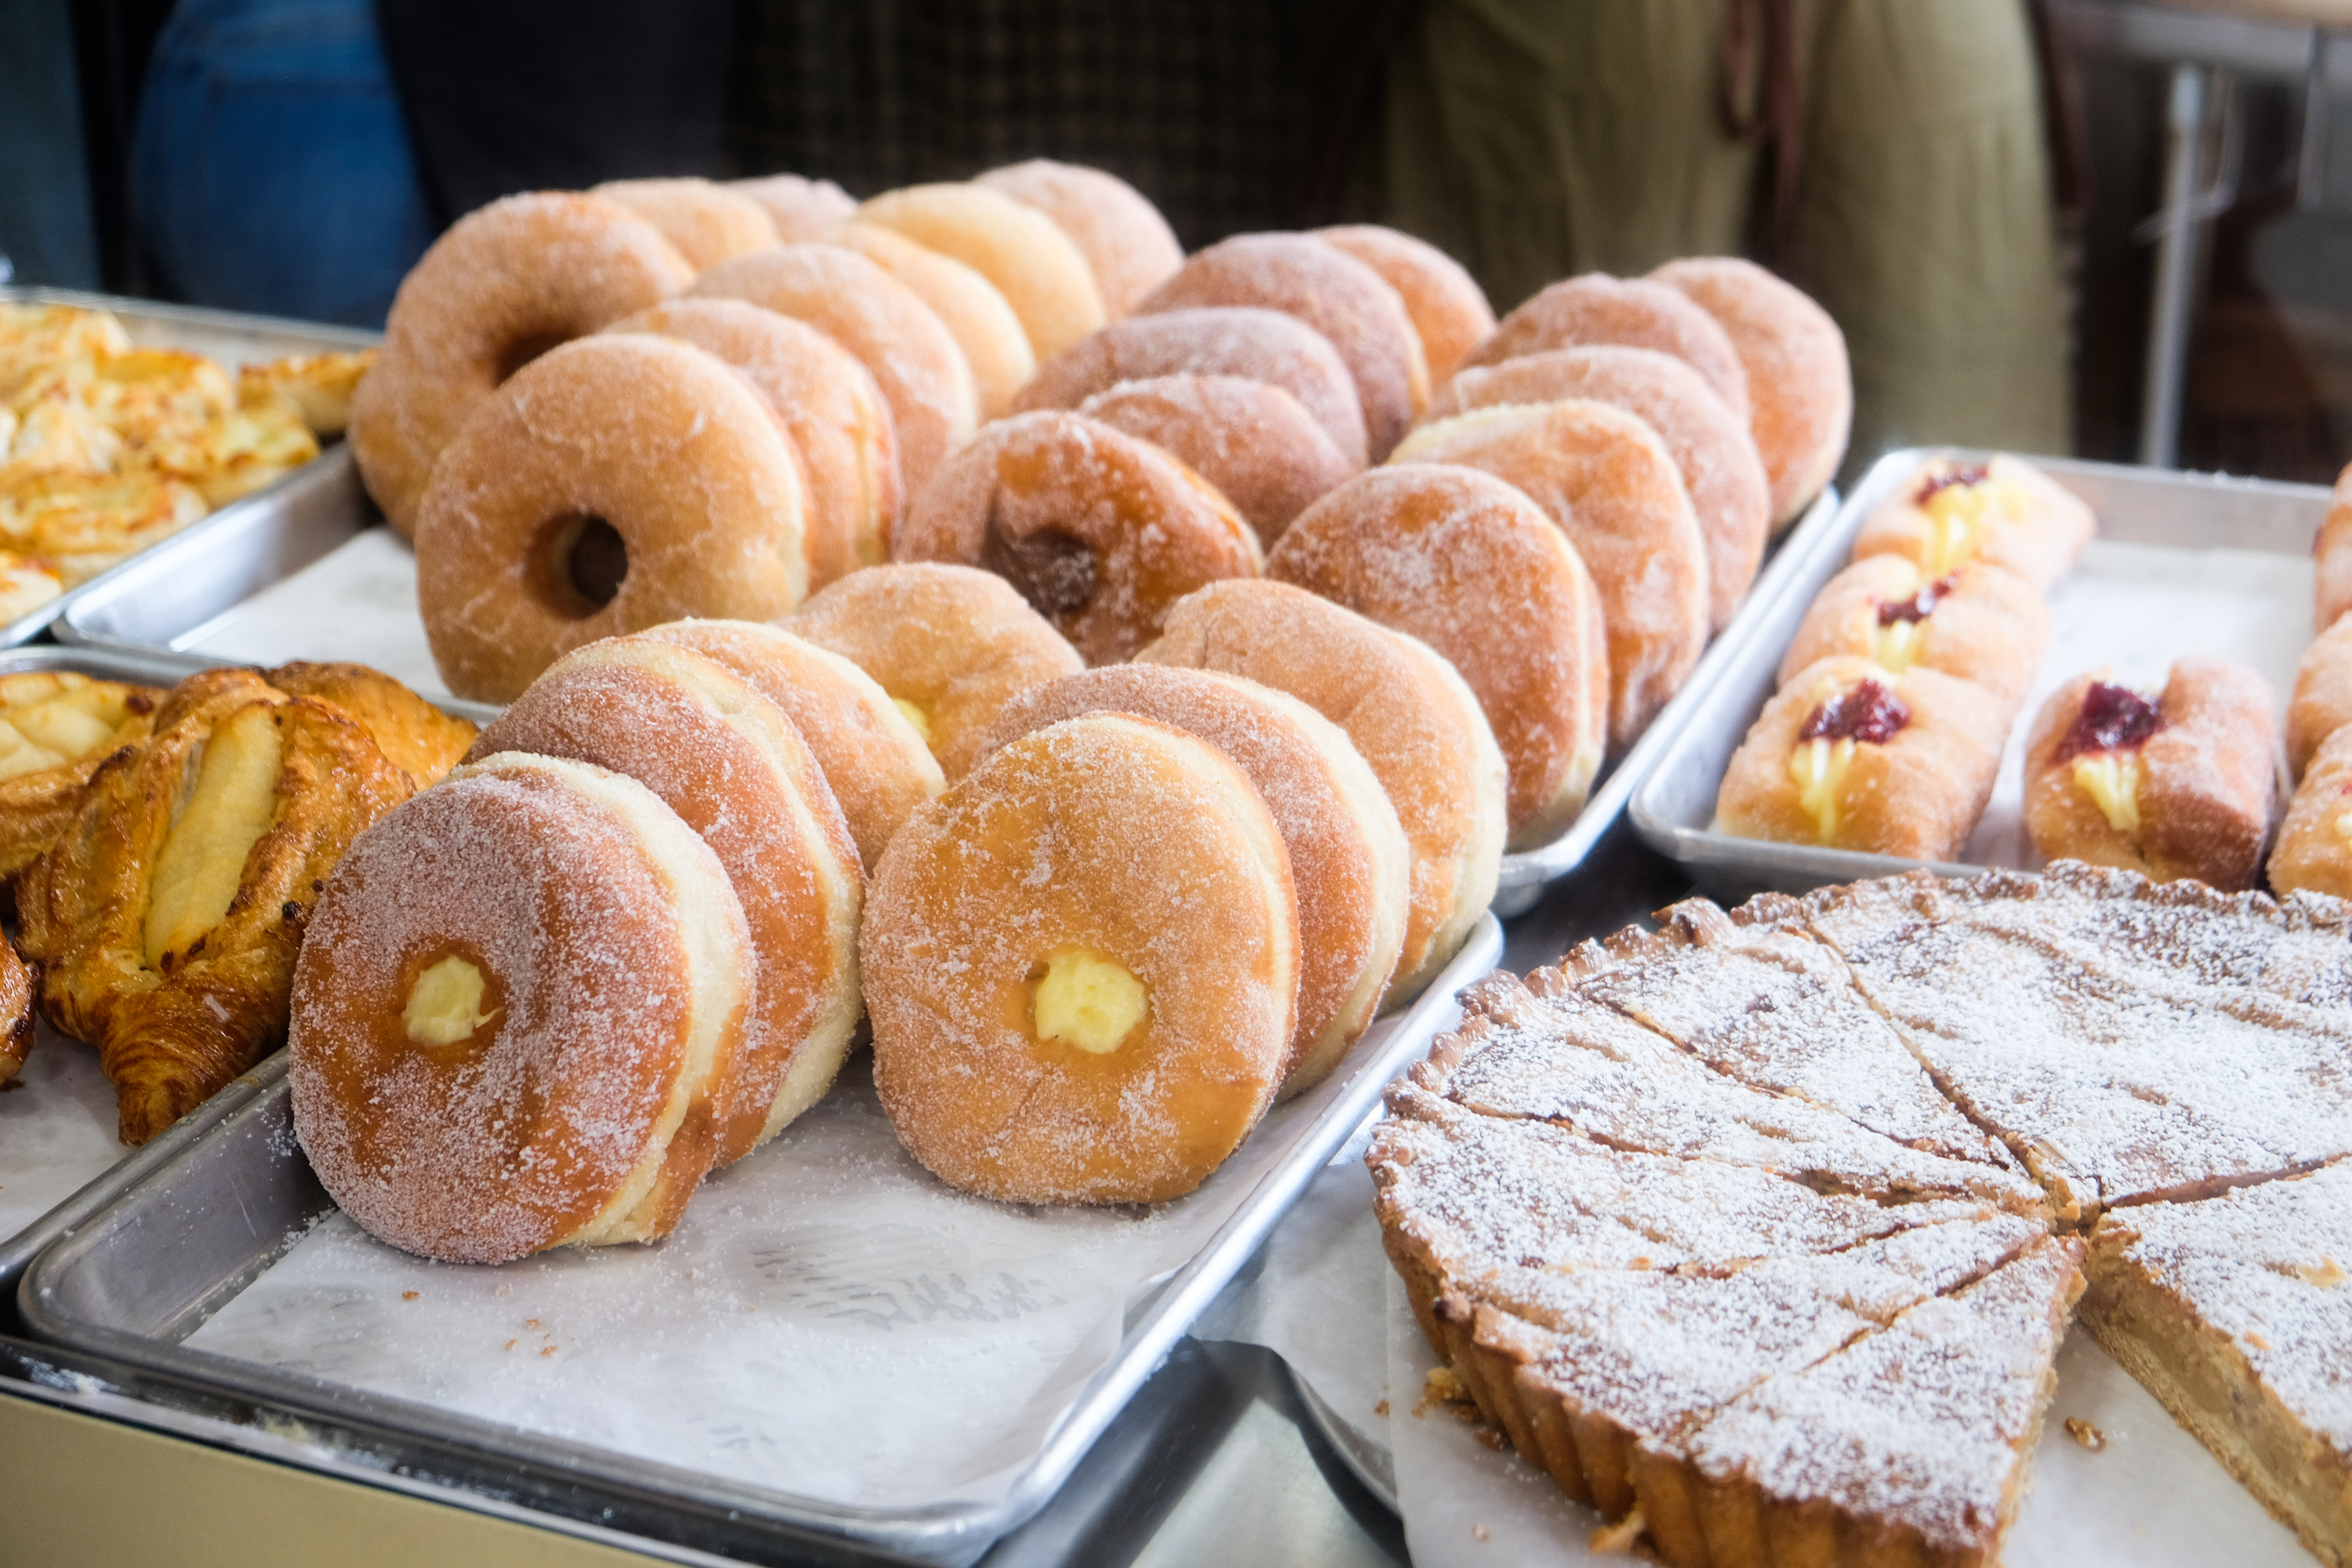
<point x="445" y="1005"/>
<point x="1819" y="769"/>
<point x="1896" y="648"/>
<point x="203" y="858"/>
<point x="1960" y="514"/>
<point x="916" y="716"/>
<point x="2112" y="781"/>
<point x="1089" y="999"/>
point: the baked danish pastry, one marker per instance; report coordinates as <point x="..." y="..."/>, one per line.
<point x="56" y="728"/>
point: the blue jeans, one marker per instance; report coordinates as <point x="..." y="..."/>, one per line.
<point x="270" y="169"/>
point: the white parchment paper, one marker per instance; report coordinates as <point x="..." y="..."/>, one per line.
<point x="57" y="1129"/>
<point x="357" y="602"/>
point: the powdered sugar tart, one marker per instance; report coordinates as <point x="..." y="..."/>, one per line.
<point x="1761" y="1233"/>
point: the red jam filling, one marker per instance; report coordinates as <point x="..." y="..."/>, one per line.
<point x="1919" y="605"/>
<point x="1952" y="478"/>
<point x="1866" y="712"/>
<point x="2114" y="718"/>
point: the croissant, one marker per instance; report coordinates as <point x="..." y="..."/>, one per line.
<point x="166" y="919"/>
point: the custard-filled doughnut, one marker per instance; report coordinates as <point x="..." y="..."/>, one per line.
<point x="2322" y="703"/>
<point x="517" y="1003"/>
<point x="1255" y="442"/>
<point x="733" y="768"/>
<point x="1633" y="313"/>
<point x="2003" y="513"/>
<point x="1348" y="857"/>
<point x="1473" y="568"/>
<point x="1082" y="966"/>
<point x="952" y="645"/>
<point x="1040" y="273"/>
<point x="1332" y="292"/>
<point x="2179" y="786"/>
<point x="1449" y="310"/>
<point x="913" y="357"/>
<point x="613" y="485"/>
<point x="1254" y="345"/>
<point x="798" y="205"/>
<point x="1799" y="378"/>
<point x="1976" y="624"/>
<point x="972" y="308"/>
<point x="1719" y="464"/>
<point x="708" y="223"/>
<point x="1609" y="483"/>
<point x="828" y="404"/>
<point x="1099" y="532"/>
<point x="1849" y="757"/>
<point x="1129" y="247"/>
<point x="871" y="754"/>
<point x="2315" y="842"/>
<point x="505" y="284"/>
<point x="2332" y="557"/>
<point x="1408" y="711"/>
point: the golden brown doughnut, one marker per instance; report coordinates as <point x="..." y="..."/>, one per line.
<point x="670" y="452"/>
<point x="951" y="645"/>
<point x="2181" y="786"/>
<point x="1631" y="311"/>
<point x="1348" y="857"/>
<point x="1849" y="757"/>
<point x="2332" y="557"/>
<point x="2315" y="842"/>
<point x="872" y="755"/>
<point x="972" y="308"/>
<point x="1609" y="484"/>
<point x="1799" y="377"/>
<point x="520" y="998"/>
<point x="1252" y="440"/>
<point x="57" y="727"/>
<point x="1977" y="624"/>
<point x="1473" y="568"/>
<point x="1099" y="532"/>
<point x="1718" y="459"/>
<point x="2322" y="703"/>
<point x="708" y="223"/>
<point x="828" y="404"/>
<point x="731" y="765"/>
<point x="884" y="324"/>
<point x="2004" y="513"/>
<point x="1257" y="345"/>
<point x="1449" y="310"/>
<point x="421" y="740"/>
<point x="798" y="205"/>
<point x="1129" y="247"/>
<point x="505" y="284"/>
<point x="1407" y="711"/>
<point x="1082" y="965"/>
<point x="1332" y="292"/>
<point x="1040" y="273"/>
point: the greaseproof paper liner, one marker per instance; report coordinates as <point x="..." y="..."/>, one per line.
<point x="57" y="1125"/>
<point x="357" y="603"/>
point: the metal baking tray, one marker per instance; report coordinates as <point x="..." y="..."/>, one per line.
<point x="2154" y="525"/>
<point x="235" y="340"/>
<point x="177" y="1245"/>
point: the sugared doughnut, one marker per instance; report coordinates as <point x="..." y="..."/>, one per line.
<point x="1255" y="442"/>
<point x="1348" y="857"/>
<point x="1407" y="711"/>
<point x="1720" y="468"/>
<point x="516" y="1001"/>
<point x="1332" y="292"/>
<point x="1633" y="313"/>
<point x="1849" y="757"/>
<point x="949" y="644"/>
<point x="1473" y="568"/>
<point x="913" y="357"/>
<point x="1800" y="381"/>
<point x="1128" y="245"/>
<point x="612" y="485"/>
<point x="2332" y="558"/>
<point x="2322" y="703"/>
<point x="1257" y="345"/>
<point x="1976" y="624"/>
<point x="1042" y="273"/>
<point x="870" y="751"/>
<point x="798" y="205"/>
<point x="2003" y="513"/>
<point x="708" y="223"/>
<point x="1447" y="307"/>
<point x="505" y="284"/>
<point x="971" y="309"/>
<point x="2179" y="786"/>
<point x="2315" y="842"/>
<point x="1609" y="484"/>
<point x="828" y="404"/>
<point x="1098" y="530"/>
<point x="1082" y="965"/>
<point x="733" y="768"/>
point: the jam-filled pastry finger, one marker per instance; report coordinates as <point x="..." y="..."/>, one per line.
<point x="1978" y="623"/>
<point x="2314" y="841"/>
<point x="2002" y="512"/>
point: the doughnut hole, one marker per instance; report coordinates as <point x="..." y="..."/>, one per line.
<point x="1051" y="570"/>
<point x="578" y="565"/>
<point x="521" y="349"/>
<point x="445" y="1004"/>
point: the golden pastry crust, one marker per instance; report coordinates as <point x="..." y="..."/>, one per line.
<point x="423" y="742"/>
<point x="2002" y="512"/>
<point x="1635" y="312"/>
<point x="1128" y="245"/>
<point x="972" y="308"/>
<point x="58" y="728"/>
<point x="2322" y="703"/>
<point x="319" y="384"/>
<point x="2313" y="853"/>
<point x="1449" y="310"/>
<point x="1040" y="273"/>
<point x="798" y="205"/>
<point x="15" y="1011"/>
<point x="2331" y="555"/>
<point x="1978" y="624"/>
<point x="1253" y="441"/>
<point x="708" y="223"/>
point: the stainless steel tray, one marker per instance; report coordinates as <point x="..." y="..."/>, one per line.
<point x="2148" y="517"/>
<point x="234" y="340"/>
<point x="173" y="1247"/>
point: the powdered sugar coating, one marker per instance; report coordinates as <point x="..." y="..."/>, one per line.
<point x="1252" y="440"/>
<point x="2322" y="703"/>
<point x="707" y="222"/>
<point x="974" y="310"/>
<point x="2314" y="854"/>
<point x="2332" y="559"/>
<point x="1042" y="273"/>
<point x="1128" y="245"/>
<point x="798" y="205"/>
<point x="1449" y="310"/>
<point x="1631" y="311"/>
